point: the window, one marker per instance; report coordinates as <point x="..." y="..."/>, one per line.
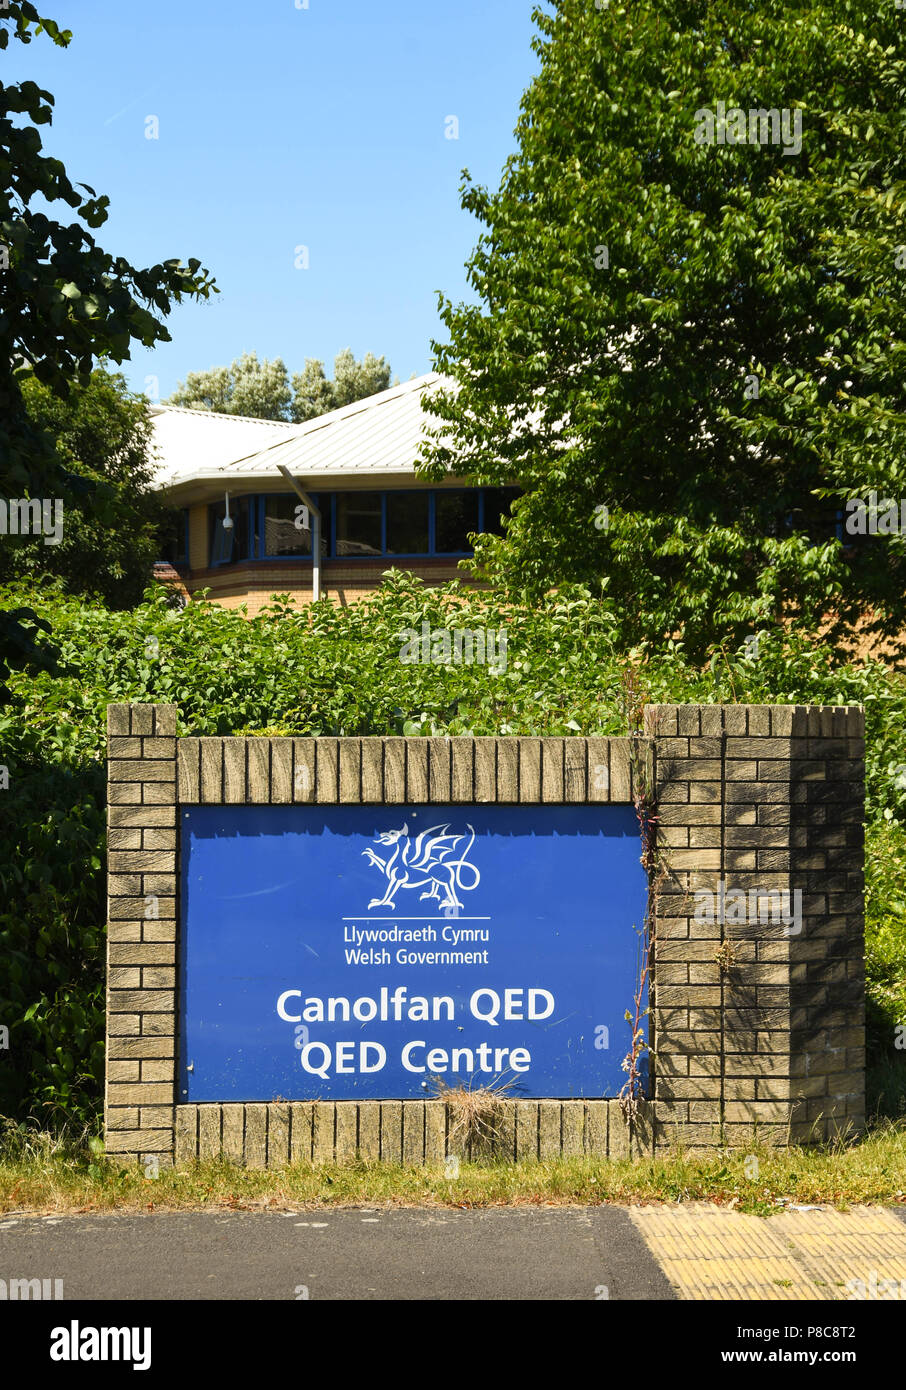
<point x="324" y="503"/>
<point x="366" y="524"/>
<point x="174" y="546"/>
<point x="496" y="503"/>
<point x="228" y="546"/>
<point x="407" y="523"/>
<point x="455" y="515"/>
<point x="283" y="530"/>
<point x="359" y="523"/>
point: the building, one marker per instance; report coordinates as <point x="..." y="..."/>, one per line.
<point x="347" y="477"/>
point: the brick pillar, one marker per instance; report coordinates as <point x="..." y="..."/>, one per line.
<point x="754" y="1023"/>
<point x="141" y="931"/>
<point x="827" y="960"/>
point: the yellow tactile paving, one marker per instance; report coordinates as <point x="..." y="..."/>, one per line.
<point x="712" y="1252"/>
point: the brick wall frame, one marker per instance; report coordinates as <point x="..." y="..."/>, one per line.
<point x="770" y="1040"/>
<point x="142" y="887"/>
<point x="770" y="1034"/>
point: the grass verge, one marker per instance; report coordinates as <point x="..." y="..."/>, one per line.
<point x="41" y="1174"/>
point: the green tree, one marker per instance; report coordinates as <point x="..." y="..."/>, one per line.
<point x="312" y="392"/>
<point x="353" y="380"/>
<point x="690" y="350"/>
<point x="103" y="435"/>
<point x="262" y="389"/>
<point x="247" y="387"/>
<point x="64" y="301"/>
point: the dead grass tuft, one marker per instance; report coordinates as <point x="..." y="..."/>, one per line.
<point x="476" y="1114"/>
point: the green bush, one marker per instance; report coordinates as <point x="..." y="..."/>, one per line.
<point x="329" y="670"/>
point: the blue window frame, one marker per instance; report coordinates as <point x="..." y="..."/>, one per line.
<point x="495" y="502"/>
<point x="278" y="514"/>
<point x="228" y="546"/>
<point x="404" y="523"/>
<point x="360" y="524"/>
<point x="455" y="512"/>
<point x="407" y="522"/>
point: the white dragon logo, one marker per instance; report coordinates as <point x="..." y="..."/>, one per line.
<point x="422" y="862"/>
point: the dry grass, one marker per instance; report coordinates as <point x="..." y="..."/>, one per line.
<point x="476" y="1114"/>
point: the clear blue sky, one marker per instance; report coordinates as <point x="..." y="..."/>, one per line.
<point x="281" y="127"/>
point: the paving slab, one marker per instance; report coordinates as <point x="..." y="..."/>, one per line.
<point x="713" y="1252"/>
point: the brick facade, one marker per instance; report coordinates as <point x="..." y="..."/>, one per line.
<point x="255" y="583"/>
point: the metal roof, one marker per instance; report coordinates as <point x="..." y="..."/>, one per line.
<point x="379" y="435"/>
<point x="186" y="441"/>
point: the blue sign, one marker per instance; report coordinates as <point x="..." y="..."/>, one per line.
<point x="359" y="952"/>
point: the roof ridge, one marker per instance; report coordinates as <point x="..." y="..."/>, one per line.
<point x="157" y="407"/>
